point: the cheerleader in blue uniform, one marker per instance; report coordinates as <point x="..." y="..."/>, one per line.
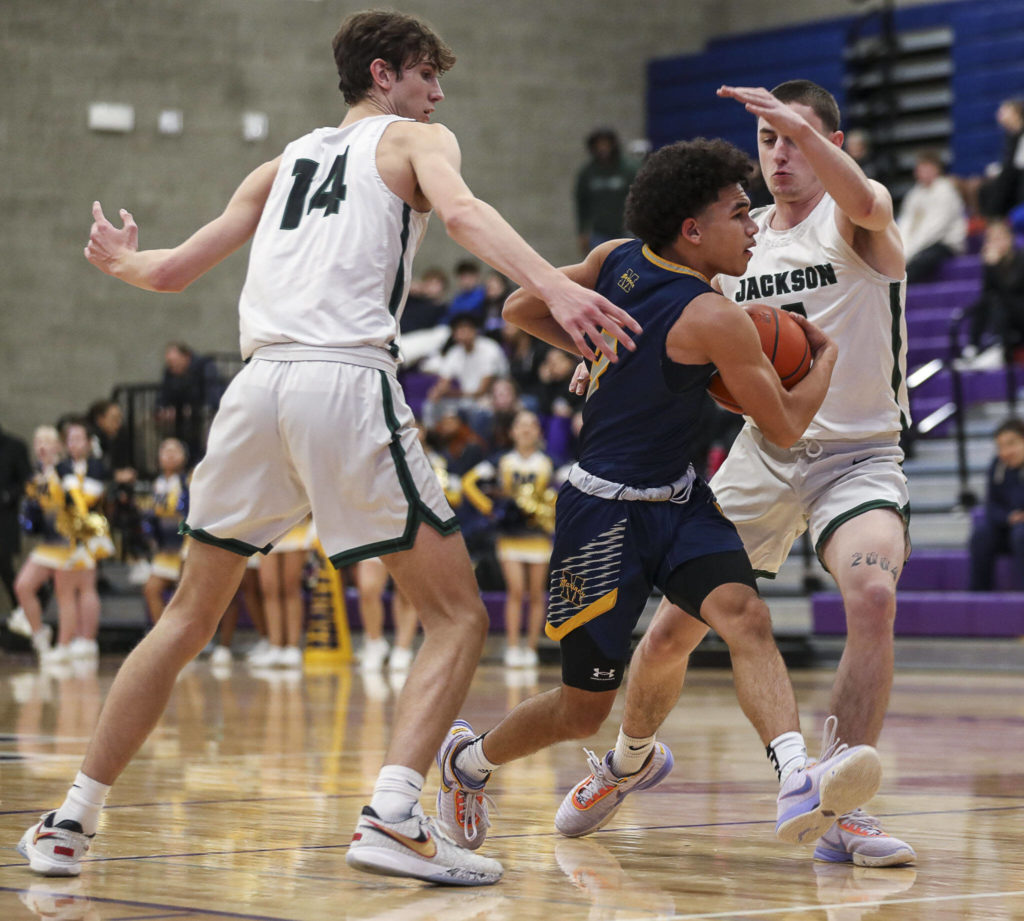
<point x="517" y="491"/>
<point x="160" y="523"/>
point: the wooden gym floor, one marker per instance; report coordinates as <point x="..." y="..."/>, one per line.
<point x="242" y="803"/>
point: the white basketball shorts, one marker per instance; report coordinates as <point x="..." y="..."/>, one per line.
<point x="329" y="437"/>
<point x="773" y="495"/>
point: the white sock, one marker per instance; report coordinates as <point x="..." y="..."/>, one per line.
<point x="397" y="792"/>
<point x="472" y="765"/>
<point x="630" y="754"/>
<point x="84" y="803"/>
<point x="787" y="753"/>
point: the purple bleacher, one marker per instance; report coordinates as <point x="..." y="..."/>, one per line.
<point x="989" y="614"/>
<point x="945" y="295"/>
<point x="946" y="569"/>
<point x="416" y="385"/>
<point x="961" y="268"/>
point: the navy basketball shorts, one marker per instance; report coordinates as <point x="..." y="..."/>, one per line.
<point x="607" y="557"/>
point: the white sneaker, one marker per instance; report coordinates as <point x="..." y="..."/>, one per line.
<point x="462" y="809"/>
<point x="400" y="659"/>
<point x="262" y="645"/>
<point x="266" y="658"/>
<point x="58" y="655"/>
<point x="83" y="648"/>
<point x="528" y="658"/>
<point x="54" y="850"/>
<point x="513" y="657"/>
<point x="221" y="656"/>
<point x="41" y="640"/>
<point x="374" y="654"/>
<point x="289" y="657"/>
<point x="18" y="623"/>
<point x="416" y="847"/>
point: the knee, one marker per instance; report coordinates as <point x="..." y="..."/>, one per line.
<point x="746" y="621"/>
<point x="670" y="642"/>
<point x="582" y="718"/>
<point x="871" y="608"/>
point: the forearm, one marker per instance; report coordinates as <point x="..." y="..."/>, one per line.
<point x="540" y="324"/>
<point x="804" y="400"/>
<point x="844" y="180"/>
<point x="479" y="228"/>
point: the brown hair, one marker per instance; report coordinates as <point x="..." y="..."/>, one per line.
<point x="400" y="40"/>
<point x="807" y="93"/>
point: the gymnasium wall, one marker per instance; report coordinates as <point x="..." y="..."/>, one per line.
<point x="533" y="78"/>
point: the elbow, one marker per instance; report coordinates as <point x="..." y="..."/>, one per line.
<point x="511" y="311"/>
<point x="459" y="217"/>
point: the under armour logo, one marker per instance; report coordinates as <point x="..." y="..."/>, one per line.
<point x="603" y="674"/>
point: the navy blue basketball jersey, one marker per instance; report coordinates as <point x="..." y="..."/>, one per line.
<point x="640" y="413"/>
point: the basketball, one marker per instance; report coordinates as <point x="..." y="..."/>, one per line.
<point x="785" y="344"/>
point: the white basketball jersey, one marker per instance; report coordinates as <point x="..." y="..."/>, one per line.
<point x="331" y="259"/>
<point x="811" y="269"/>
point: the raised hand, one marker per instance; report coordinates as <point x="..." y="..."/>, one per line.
<point x="107" y="244"/>
<point x="761" y="103"/>
<point x="584" y="314"/>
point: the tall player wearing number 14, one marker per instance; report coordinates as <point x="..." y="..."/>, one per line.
<point x="316" y="421"/>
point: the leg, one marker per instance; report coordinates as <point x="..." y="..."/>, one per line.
<point x="437" y="578"/>
<point x="512" y="570"/>
<point x="537" y="576"/>
<point x="153" y="591"/>
<point x="88" y="605"/>
<point x="31" y="577"/>
<point x="406" y="621"/>
<point x="658" y="669"/>
<point x="67" y="605"/>
<point x="291" y="585"/>
<point x="253" y="597"/>
<point x="371" y="578"/>
<point x="270" y="586"/>
<point x="865" y="556"/>
<point x="765" y="694"/>
<point x="986" y="540"/>
<point x="140" y="692"/>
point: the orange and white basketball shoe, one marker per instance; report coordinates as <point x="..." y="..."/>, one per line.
<point x="593" y="801"/>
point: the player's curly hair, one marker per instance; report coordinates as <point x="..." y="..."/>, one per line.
<point x="397" y="38"/>
<point x="680" y="181"/>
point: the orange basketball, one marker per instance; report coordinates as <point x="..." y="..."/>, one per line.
<point x="785" y="344"/>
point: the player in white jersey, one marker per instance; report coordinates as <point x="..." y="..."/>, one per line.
<point x="827" y="248"/>
<point x="316" y="422"/>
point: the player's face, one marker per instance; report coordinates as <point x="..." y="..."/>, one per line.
<point x="418" y="92"/>
<point x="728" y="232"/>
<point x="786" y="172"/>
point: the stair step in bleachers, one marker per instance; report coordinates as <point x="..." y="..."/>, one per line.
<point x="966" y="614"/>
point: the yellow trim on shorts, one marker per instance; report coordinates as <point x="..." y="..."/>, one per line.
<point x="592" y="610"/>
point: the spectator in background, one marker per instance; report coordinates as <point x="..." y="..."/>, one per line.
<point x="496" y="289"/>
<point x="553" y="376"/>
<point x="111" y="444"/>
<point x="160" y="523"/>
<point x="426" y="305"/>
<point x="1002" y="190"/>
<point x="1000" y="528"/>
<point x="503" y="404"/>
<point x="932" y="219"/>
<point x="858" y="146"/>
<point x="469" y="292"/>
<point x="525" y="354"/>
<point x="15" y="472"/>
<point x="601" y="187"/>
<point x="190" y="390"/>
<point x="1000" y="309"/>
<point x="466" y="371"/>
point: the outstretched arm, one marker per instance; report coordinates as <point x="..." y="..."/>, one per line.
<point x="478" y="227"/>
<point x="865" y="202"/>
<point x="116" y="250"/>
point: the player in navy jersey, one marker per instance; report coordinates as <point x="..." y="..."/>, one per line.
<point x="634" y="514"/>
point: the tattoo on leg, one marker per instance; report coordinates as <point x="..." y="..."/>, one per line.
<point x="872" y="558"/>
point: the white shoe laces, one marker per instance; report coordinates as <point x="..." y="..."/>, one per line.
<point x="476" y="806"/>
<point x="830" y="744"/>
<point x="599" y="781"/>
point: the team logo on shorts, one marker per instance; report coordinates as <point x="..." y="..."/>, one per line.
<point x="571" y="588"/>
